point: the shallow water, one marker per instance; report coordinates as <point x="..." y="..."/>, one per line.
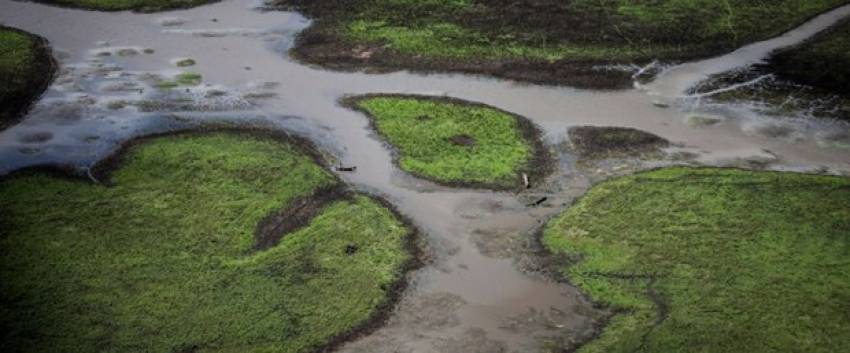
<point x="473" y="297"/>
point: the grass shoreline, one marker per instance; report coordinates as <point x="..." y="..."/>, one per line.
<point x="539" y="165"/>
<point x="142" y="6"/>
<point x="662" y="296"/>
<point x="27" y="86"/>
<point x="329" y="43"/>
<point x="103" y="170"/>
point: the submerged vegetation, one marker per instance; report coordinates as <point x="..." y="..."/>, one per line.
<point x="137" y="5"/>
<point x="455" y="142"/>
<point x="713" y="260"/>
<point x="550" y="41"/>
<point x="812" y="78"/>
<point x="181" y="79"/>
<point x="183" y="252"/>
<point x="26" y="68"/>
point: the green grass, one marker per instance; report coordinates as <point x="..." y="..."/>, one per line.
<point x="737" y="261"/>
<point x="16" y="55"/>
<point x="163" y="261"/>
<point x="548" y="30"/>
<point x="23" y="68"/>
<point x="120" y="5"/>
<point x="421" y="130"/>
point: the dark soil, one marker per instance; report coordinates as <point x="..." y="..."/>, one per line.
<point x="462" y="140"/>
<point x="607" y="142"/>
<point x="37" y="137"/>
<point x="17" y="101"/>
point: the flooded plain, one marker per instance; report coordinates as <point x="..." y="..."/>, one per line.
<point x="481" y="291"/>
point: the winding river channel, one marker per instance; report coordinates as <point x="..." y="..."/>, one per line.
<point x="478" y="294"/>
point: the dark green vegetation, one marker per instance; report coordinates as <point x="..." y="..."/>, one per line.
<point x="820" y="62"/>
<point x="607" y="142"/>
<point x="188" y="251"/>
<point x="813" y="77"/>
<point x="136" y="5"/>
<point x="455" y="142"/>
<point x="26" y="69"/>
<point x="548" y="41"/>
<point x="713" y="260"/>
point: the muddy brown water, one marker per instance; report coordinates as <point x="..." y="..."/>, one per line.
<point x="476" y="296"/>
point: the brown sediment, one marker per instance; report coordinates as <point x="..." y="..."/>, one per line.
<point x="462" y="140"/>
<point x="592" y="142"/>
<point x="540" y="165"/>
<point x="270" y="230"/>
<point x="17" y="103"/>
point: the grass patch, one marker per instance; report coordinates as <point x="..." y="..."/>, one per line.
<point x="167" y="260"/>
<point x="549" y="41"/>
<point x="26" y="69"/>
<point x="455" y="142"/>
<point x="713" y="260"/>
<point x="121" y="5"/>
<point x="185" y="62"/>
<point x="182" y="79"/>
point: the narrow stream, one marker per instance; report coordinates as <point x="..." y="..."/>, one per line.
<point x="474" y="297"/>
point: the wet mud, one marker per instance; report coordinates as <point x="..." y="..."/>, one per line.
<point x="484" y="286"/>
<point x="594" y="142"/>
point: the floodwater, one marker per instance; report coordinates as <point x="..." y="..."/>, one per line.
<point x="477" y="295"/>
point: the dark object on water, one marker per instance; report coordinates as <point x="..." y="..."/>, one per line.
<point x="351" y="249"/>
<point x="538" y="202"/>
<point x="340" y="168"/>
